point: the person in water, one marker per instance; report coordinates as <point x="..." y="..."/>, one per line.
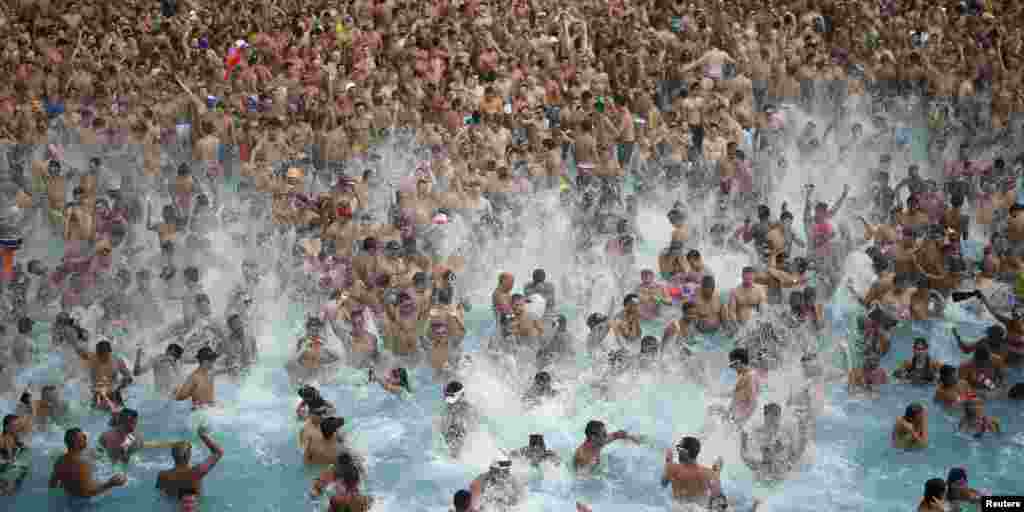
<point x="12" y="451"/>
<point x="869" y="377"/>
<point x="540" y="390"/>
<point x="691" y="482"/>
<point x="920" y="369"/>
<point x="959" y="490"/>
<point x="497" y="489"/>
<point x="184" y="476"/>
<point x="588" y="454"/>
<point x="73" y="471"/>
<point x="984" y="372"/>
<point x="311" y="403"/>
<point x="348" y="498"/>
<point x="166" y="368"/>
<point x="459" y="419"/>
<point x="108" y="372"/>
<point x="536" y="452"/>
<point x="748" y="387"/>
<point x="325" y="448"/>
<point x="199" y="386"/>
<point x="462" y="501"/>
<point x="123" y="440"/>
<point x="778" y="448"/>
<point x="934" y="499"/>
<point x="911" y="430"/>
<point x="327" y="481"/>
<point x="976" y="422"/>
<point x="951" y="389"/>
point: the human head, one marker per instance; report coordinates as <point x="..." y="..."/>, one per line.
<point x="207" y="357"/>
<point x="539" y="276"/>
<point x="748" y="276"/>
<point x="935" y="489"/>
<point x="462" y="501"/>
<point x="103" y="349"/>
<point x="739" y="358"/>
<point x="947" y="375"/>
<point x="453" y="392"/>
<point x="75" y="439"/>
<point x="913" y="411"/>
<point x="128" y="420"/>
<point x="631" y="302"/>
<point x="25" y="325"/>
<point x="957" y="478"/>
<point x="537" y="442"/>
<point x="329" y="426"/>
<point x="8" y="426"/>
<point x="920" y="346"/>
<point x="596" y="431"/>
<point x="688" y="450"/>
<point x="181" y="453"/>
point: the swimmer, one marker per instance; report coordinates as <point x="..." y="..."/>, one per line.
<point x="958" y="489"/>
<point x="911" y="430"/>
<point x="199" y="385"/>
<point x="123" y="440"/>
<point x="536" y="452"/>
<point x="921" y="369"/>
<point x="984" y="372"/>
<point x="540" y="389"/>
<point x="976" y="422"/>
<point x="691" y="482"/>
<point x="327" y="481"/>
<point x="12" y="471"/>
<point x="588" y="454"/>
<point x="73" y="473"/>
<point x="166" y="368"/>
<point x="951" y="389"/>
<point x="459" y="419"/>
<point x="869" y="377"/>
<point x="325" y="448"/>
<point x="710" y="313"/>
<point x="497" y="489"/>
<point x="934" y="499"/>
<point x="348" y="497"/>
<point x="184" y="476"/>
<point x="105" y="370"/>
<point x="746" y="299"/>
<point x="748" y="387"/>
<point x="779" y="449"/>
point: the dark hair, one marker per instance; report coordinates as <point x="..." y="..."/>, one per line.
<point x="25" y="325"/>
<point x="1016" y="392"/>
<point x="350" y="476"/>
<point x="9" y="420"/>
<point x="70" y="435"/>
<point x="539" y="275"/>
<point x="739" y="355"/>
<point x="103" y="347"/>
<point x="690" y="446"/>
<point x="593" y="427"/>
<point x="330" y="426"/>
<point x="935" y="489"/>
<point x="462" y="501"/>
<point x="176" y="349"/>
<point x="913" y="410"/>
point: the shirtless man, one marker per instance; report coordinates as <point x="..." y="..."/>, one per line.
<point x="748" y="387"/>
<point x="166" y="368"/>
<point x="708" y="307"/>
<point x="325" y="448"/>
<point x="501" y="299"/>
<point x="184" y="477"/>
<point x="746" y="299"/>
<point x="199" y="385"/>
<point x="124" y="439"/>
<point x="691" y="482"/>
<point x="73" y="472"/>
<point x="108" y="372"/>
<point x="588" y="454"/>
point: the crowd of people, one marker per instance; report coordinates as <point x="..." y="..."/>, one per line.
<point x="271" y="128"/>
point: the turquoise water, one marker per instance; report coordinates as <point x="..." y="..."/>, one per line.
<point x="852" y="468"/>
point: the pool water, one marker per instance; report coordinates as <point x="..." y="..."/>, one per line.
<point x="852" y="467"/>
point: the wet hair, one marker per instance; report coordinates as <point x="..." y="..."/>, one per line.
<point x="693" y="254"/>
<point x="176" y="350"/>
<point x="8" y="424"/>
<point x="542" y="379"/>
<point x="593" y="428"/>
<point x="948" y="373"/>
<point x="649" y="344"/>
<point x="913" y="410"/>
<point x="935" y="489"/>
<point x="103" y="347"/>
<point x="462" y="500"/>
<point x="690" y="447"/>
<point x="739" y="355"/>
<point x="539" y="276"/>
<point x="70" y="436"/>
<point x="773" y="408"/>
<point x="25" y="325"/>
<point x="329" y="426"/>
<point x="453" y="387"/>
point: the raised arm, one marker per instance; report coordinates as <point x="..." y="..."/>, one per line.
<point x="842" y="199"/>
